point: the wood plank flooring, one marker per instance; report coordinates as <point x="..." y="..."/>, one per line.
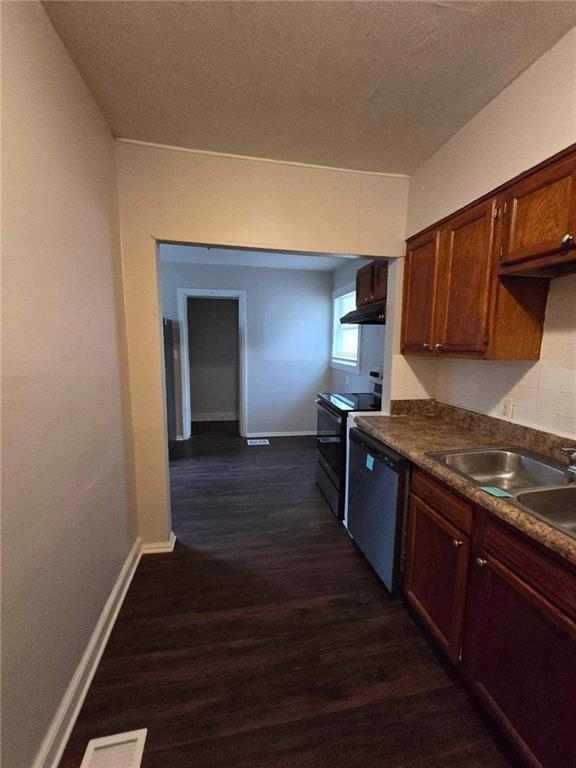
<point x="266" y="641"/>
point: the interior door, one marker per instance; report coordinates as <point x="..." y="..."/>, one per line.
<point x="467" y="268"/>
<point x="420" y="288"/>
<point x="540" y="213"/>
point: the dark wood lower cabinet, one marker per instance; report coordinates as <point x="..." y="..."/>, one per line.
<point x="504" y="608"/>
<point x="520" y="654"/>
<point x="437" y="566"/>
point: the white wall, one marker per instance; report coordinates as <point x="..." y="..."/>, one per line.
<point x="371" y="341"/>
<point x="213" y="348"/>
<point x="529" y="121"/>
<point x="65" y="522"/>
<point x="191" y="197"/>
<point x="288" y="321"/>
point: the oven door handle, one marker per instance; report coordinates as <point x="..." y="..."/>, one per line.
<point x="329" y="411"/>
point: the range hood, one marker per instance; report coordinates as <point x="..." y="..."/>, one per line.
<point x="369" y="314"/>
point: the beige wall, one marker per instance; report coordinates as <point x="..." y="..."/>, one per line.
<point x="168" y="194"/>
<point x="529" y="121"/>
<point x="65" y="525"/>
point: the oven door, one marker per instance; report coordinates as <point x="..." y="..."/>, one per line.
<point x="329" y="437"/>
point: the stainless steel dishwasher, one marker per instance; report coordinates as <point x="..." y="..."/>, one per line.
<point x="376" y="504"/>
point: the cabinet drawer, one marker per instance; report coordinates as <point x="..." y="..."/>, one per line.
<point x="449" y="504"/>
<point x="555" y="582"/>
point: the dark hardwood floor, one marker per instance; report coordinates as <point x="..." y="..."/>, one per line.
<point x="266" y="641"/>
<point x="214" y="428"/>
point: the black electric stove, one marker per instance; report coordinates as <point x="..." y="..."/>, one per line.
<point x="351" y="401"/>
<point x="333" y="409"/>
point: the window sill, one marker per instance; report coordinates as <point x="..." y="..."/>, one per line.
<point x="338" y="365"/>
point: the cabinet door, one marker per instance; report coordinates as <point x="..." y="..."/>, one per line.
<point x="521" y="653"/>
<point x="380" y="279"/>
<point x="540" y="213"/>
<point x="420" y="285"/>
<point x="364" y="285"/>
<point x="436" y="569"/>
<point x="467" y="267"/>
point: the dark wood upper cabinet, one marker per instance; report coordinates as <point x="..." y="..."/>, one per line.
<point x="467" y="265"/>
<point x="364" y="285"/>
<point x="380" y="279"/>
<point x="520" y="653"/>
<point x="456" y="305"/>
<point x="436" y="571"/>
<point x="476" y="283"/>
<point x="539" y="216"/>
<point x="372" y="282"/>
<point x="420" y="293"/>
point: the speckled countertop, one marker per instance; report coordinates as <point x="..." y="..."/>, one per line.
<point x="413" y="435"/>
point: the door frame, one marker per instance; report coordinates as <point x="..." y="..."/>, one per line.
<point x="208" y="293"/>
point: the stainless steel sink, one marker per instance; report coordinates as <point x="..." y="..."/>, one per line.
<point x="505" y="468"/>
<point x="534" y="483"/>
<point x="557" y="505"/>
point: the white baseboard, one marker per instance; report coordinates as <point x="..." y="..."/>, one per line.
<point x="157" y="547"/>
<point x="216" y="416"/>
<point x="59" y="731"/>
<point x="280" y="434"/>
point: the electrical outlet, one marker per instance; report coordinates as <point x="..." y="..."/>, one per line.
<point x="507" y="408"/>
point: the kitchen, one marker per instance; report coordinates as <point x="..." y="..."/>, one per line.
<point x="395" y="587"/>
<point x="471" y="516"/>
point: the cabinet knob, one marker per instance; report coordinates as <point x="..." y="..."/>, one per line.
<point x="481" y="562"/>
<point x="456" y="543"/>
<point x="425" y="346"/>
<point x="438" y="346"/>
<point x="568" y="239"/>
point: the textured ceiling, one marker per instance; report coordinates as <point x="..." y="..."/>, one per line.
<point x="365" y="85"/>
<point x="192" y="254"/>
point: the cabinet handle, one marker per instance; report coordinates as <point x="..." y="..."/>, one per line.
<point x="438" y="346"/>
<point x="568" y="239"/>
<point x="481" y="562"/>
<point x="425" y="346"/>
<point x="456" y="543"/>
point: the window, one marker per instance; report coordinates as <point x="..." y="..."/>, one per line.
<point x="345" y="338"/>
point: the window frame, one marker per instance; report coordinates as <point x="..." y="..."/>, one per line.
<point x="337" y="363"/>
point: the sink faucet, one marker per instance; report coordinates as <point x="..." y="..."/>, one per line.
<point x="572" y="463"/>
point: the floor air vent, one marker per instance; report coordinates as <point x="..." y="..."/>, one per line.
<point x="258" y="442"/>
<point x="123" y="750"/>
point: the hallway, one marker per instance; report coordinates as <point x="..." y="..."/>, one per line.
<point x="265" y="641"/>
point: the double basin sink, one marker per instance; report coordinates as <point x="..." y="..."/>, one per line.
<point x="530" y="481"/>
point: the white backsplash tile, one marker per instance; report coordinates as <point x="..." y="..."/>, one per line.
<point x="551" y="378"/>
<point x="567" y="404"/>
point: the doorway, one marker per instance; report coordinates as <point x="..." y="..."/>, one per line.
<point x="212" y="361"/>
